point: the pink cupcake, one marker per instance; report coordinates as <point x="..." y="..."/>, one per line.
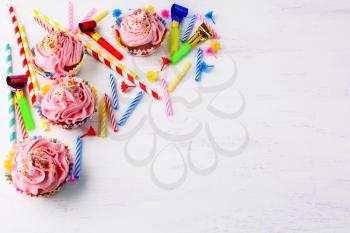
<point x="141" y="32"/>
<point x="58" y="54"/>
<point x="69" y="103"/>
<point x="39" y="167"/>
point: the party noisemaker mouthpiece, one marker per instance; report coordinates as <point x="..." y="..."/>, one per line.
<point x="202" y="34"/>
<point x="17" y="82"/>
<point x="177" y="14"/>
<point x="87" y="26"/>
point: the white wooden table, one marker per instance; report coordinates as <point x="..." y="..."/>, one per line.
<point x="261" y="145"/>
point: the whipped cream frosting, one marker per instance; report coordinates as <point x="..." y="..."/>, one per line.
<point x="40" y="166"/>
<point x="69" y="101"/>
<point x="140" y="27"/>
<point x="57" y="52"/>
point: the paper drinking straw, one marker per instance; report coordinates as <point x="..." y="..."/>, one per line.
<point x="179" y="77"/>
<point x="113" y="91"/>
<point x="70" y="16"/>
<point x="100" y="56"/>
<point x="78" y="154"/>
<point x="102" y="130"/>
<point x="131" y="108"/>
<point x="22" y="55"/>
<point x="189" y="29"/>
<point x="111" y="113"/>
<point x="199" y="61"/>
<point x="10" y="98"/>
<point x="87" y="17"/>
<point x="33" y="80"/>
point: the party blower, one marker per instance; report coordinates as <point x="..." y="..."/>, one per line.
<point x="177" y="14"/>
<point x="202" y="34"/>
<point x="17" y="84"/>
<point x="89" y="28"/>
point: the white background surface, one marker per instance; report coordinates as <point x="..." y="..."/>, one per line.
<point x="292" y="69"/>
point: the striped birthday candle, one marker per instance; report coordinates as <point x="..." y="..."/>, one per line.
<point x="131" y="108"/>
<point x="70" y="16"/>
<point x="113" y="91"/>
<point x="189" y="29"/>
<point x="198" y="64"/>
<point x="10" y="98"/>
<point x="166" y="98"/>
<point x="78" y="154"/>
<point x="111" y="113"/>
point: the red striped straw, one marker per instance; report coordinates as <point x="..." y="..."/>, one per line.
<point x="22" y="55"/>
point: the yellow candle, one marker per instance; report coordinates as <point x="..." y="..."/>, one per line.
<point x="102" y="130"/>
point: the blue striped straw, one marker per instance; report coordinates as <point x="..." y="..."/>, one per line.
<point x="198" y="64"/>
<point x="10" y="98"/>
<point x="131" y="108"/>
<point x="113" y="91"/>
<point x="77" y="163"/>
<point x="189" y="29"/>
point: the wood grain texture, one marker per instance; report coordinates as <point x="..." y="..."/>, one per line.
<point x="292" y="60"/>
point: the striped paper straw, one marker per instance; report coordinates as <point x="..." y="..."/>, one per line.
<point x="10" y="98"/>
<point x="102" y="129"/>
<point x="87" y="17"/>
<point x="113" y="91"/>
<point x="78" y="154"/>
<point x="22" y="128"/>
<point x="111" y="113"/>
<point x="199" y="61"/>
<point x="70" y="16"/>
<point x="100" y="56"/>
<point x="22" y="55"/>
<point x="131" y="108"/>
<point x="166" y="98"/>
<point x="189" y="29"/>
<point x="35" y="83"/>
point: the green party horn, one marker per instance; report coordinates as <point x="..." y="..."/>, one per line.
<point x="25" y="111"/>
<point x="202" y="34"/>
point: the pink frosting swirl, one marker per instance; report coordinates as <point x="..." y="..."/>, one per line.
<point x="58" y="53"/>
<point x="69" y="101"/>
<point x="40" y="166"/>
<point x="140" y="27"/>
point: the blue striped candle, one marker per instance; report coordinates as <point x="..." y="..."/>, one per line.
<point x="131" y="108"/>
<point x="189" y="29"/>
<point x="198" y="65"/>
<point x="113" y="91"/>
<point x="78" y="153"/>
